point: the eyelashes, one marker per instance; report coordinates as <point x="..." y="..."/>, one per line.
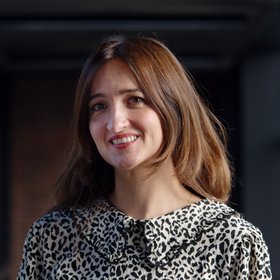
<point x="136" y="100"/>
<point x="98" y="107"/>
<point x="132" y="102"/>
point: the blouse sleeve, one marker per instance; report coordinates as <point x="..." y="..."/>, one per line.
<point x="31" y="266"/>
<point x="251" y="258"/>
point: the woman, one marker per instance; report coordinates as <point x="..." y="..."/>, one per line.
<point x="142" y="195"/>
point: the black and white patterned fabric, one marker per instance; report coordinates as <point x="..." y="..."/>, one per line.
<point x="205" y="240"/>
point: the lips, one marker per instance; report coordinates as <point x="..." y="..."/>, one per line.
<point x="123" y="139"/>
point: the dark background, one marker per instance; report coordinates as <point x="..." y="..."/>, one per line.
<point x="231" y="48"/>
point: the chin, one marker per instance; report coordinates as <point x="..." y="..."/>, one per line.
<point x="127" y="165"/>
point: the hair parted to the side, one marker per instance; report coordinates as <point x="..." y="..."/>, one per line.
<point x="193" y="136"/>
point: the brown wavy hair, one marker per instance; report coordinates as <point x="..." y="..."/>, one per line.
<point x="193" y="136"/>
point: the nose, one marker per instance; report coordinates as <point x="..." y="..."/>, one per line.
<point x="118" y="120"/>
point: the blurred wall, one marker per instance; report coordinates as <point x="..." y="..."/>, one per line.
<point x="40" y="118"/>
<point x="261" y="147"/>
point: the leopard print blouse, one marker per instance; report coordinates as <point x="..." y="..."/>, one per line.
<point x="205" y="240"/>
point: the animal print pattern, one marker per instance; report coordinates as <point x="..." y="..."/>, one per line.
<point x="205" y="240"/>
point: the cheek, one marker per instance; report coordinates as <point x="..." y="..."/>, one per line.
<point x="151" y="122"/>
<point x="154" y="121"/>
<point x="95" y="131"/>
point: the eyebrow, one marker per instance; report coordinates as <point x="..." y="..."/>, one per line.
<point x="122" y="91"/>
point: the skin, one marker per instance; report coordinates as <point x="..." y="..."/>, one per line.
<point x="127" y="132"/>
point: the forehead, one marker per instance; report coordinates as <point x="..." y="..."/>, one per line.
<point x="113" y="73"/>
<point x="114" y="78"/>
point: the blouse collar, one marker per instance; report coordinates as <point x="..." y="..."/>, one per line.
<point x="108" y="230"/>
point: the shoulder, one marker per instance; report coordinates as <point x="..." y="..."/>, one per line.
<point x="55" y="233"/>
<point x="233" y="240"/>
<point x="237" y="225"/>
<point x="69" y="221"/>
<point x="57" y="224"/>
<point x="234" y="234"/>
<point x="53" y="221"/>
<point x="227" y="223"/>
<point x="243" y="242"/>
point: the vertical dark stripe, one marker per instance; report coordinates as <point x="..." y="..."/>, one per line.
<point x="4" y="172"/>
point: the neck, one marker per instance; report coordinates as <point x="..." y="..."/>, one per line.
<point x="147" y="197"/>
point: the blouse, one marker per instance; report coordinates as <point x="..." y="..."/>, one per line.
<point x="204" y="240"/>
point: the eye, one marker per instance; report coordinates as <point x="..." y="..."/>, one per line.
<point x="97" y="107"/>
<point x="136" y="100"/>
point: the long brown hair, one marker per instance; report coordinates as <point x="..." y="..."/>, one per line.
<point x="193" y="136"/>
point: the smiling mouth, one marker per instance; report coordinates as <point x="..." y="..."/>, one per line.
<point x="124" y="140"/>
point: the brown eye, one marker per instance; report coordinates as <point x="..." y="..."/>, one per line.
<point x="136" y="100"/>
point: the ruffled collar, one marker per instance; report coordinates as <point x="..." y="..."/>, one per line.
<point x="160" y="239"/>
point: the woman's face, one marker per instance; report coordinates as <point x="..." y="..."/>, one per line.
<point x="125" y="129"/>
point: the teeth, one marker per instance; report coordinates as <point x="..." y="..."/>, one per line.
<point x="124" y="140"/>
